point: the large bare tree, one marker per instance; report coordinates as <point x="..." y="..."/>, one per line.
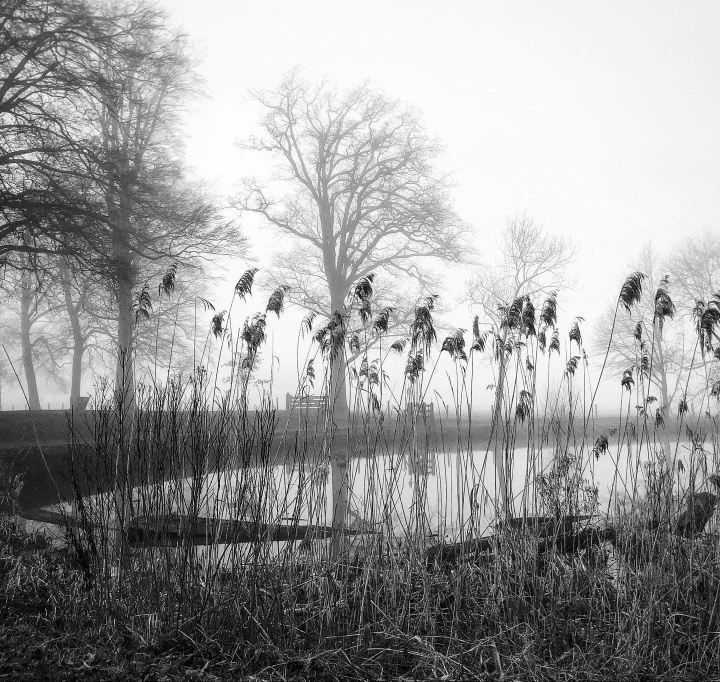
<point x="91" y="168"/>
<point x="357" y="192"/>
<point x="145" y="81"/>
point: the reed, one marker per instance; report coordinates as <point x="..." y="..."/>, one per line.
<point x="435" y="578"/>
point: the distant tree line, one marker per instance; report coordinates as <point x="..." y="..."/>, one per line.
<point x="96" y="208"/>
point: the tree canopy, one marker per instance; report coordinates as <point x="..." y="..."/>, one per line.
<point x="356" y="189"/>
<point x="92" y="174"/>
<point x="530" y="262"/>
<point x="45" y="146"/>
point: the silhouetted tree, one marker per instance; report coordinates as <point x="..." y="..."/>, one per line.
<point x="145" y="79"/>
<point x="45" y="145"/>
<point x="357" y="194"/>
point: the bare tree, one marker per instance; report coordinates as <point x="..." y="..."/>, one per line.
<point x="144" y="82"/>
<point x="91" y="167"/>
<point x="694" y="269"/>
<point x="693" y="265"/>
<point x="31" y="308"/>
<point x="669" y="353"/>
<point x="530" y="264"/>
<point x="28" y="317"/>
<point x="638" y="336"/>
<point x="357" y="193"/>
<point x="44" y="145"/>
<point x="80" y="298"/>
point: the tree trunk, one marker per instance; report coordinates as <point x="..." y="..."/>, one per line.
<point x="73" y="311"/>
<point x="498" y="449"/>
<point x="124" y="374"/>
<point x="76" y="372"/>
<point x="669" y="456"/>
<point x="119" y="207"/>
<point x="26" y="299"/>
<point x="124" y="377"/>
<point x="338" y="443"/>
<point x="125" y="274"/>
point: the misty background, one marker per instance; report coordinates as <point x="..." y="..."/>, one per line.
<point x="597" y="125"/>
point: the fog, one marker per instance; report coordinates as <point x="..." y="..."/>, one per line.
<point x="597" y="124"/>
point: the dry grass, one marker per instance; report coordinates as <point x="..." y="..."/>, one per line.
<point x="549" y="600"/>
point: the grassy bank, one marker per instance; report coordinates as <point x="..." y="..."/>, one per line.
<point x="36" y="445"/>
<point x="525" y="607"/>
<point x="573" y="589"/>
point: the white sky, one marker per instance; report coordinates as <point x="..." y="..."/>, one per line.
<point x="601" y="119"/>
<point x="598" y="119"/>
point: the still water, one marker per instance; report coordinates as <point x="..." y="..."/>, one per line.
<point x="419" y="490"/>
<point x="430" y="491"/>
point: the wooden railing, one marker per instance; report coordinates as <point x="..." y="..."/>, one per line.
<point x="424" y="411"/>
<point x="306" y="402"/>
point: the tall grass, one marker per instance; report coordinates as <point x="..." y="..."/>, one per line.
<point x="179" y="544"/>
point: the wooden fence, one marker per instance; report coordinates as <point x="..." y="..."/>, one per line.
<point x="425" y="411"/>
<point x="307" y="402"/>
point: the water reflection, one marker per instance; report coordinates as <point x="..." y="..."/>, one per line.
<point x="417" y="490"/>
<point x="442" y="492"/>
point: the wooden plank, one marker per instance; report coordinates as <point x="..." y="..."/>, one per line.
<point x="222" y="531"/>
<point x="173" y="528"/>
<point x="452" y="551"/>
<point x="562" y="535"/>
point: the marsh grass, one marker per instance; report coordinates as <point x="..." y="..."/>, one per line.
<point x="533" y="601"/>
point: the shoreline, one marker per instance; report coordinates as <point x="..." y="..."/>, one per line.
<point x="29" y="440"/>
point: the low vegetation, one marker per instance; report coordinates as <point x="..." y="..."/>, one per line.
<point x="428" y="578"/>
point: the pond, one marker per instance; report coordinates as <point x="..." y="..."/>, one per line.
<point x="430" y="491"/>
<point x="433" y="492"/>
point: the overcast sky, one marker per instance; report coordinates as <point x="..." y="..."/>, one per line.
<point x="598" y="119"/>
